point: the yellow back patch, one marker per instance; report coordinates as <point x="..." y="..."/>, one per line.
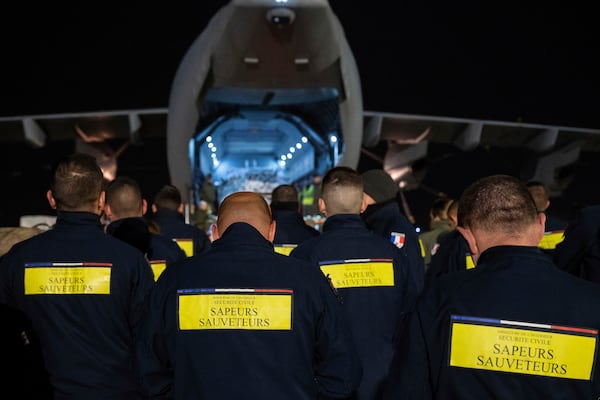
<point x="246" y="309"/>
<point x="523" y="348"/>
<point x="359" y="273"/>
<point x="67" y="278"/>
<point x="187" y="245"/>
<point x="158" y="267"/>
<point x="284" y="249"/>
<point x="469" y="261"/>
<point x="551" y="239"/>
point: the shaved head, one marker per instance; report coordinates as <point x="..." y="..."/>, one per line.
<point x="248" y="207"/>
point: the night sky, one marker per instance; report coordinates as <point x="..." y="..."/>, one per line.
<point x="501" y="62"/>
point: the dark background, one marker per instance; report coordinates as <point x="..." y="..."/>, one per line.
<point x="535" y="63"/>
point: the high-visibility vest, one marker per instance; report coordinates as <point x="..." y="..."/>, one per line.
<point x="308" y="194"/>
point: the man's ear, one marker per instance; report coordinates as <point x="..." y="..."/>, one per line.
<point x="107" y="211"/>
<point x="272" y="229"/>
<point x="468" y="235"/>
<point x="364" y="204"/>
<point x="101" y="202"/>
<point x="214" y="232"/>
<point x="154" y="209"/>
<point x="181" y="208"/>
<point x="51" y="199"/>
<point x="322" y="206"/>
<point x="541" y="226"/>
<point x="144" y="207"/>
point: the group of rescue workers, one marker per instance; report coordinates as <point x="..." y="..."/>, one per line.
<point x="110" y="304"/>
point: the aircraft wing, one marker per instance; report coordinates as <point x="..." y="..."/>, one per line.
<point x="407" y="137"/>
<point x="551" y="147"/>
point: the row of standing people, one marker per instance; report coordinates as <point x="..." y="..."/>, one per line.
<point x="165" y="238"/>
<point x="327" y="321"/>
<point x="76" y="269"/>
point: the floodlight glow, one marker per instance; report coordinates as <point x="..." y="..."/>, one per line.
<point x="209" y="139"/>
<point x="213" y="149"/>
<point x="281" y="163"/>
<point x="304" y="139"/>
<point x="333" y="139"/>
<point x="289" y="155"/>
<point x="210" y="145"/>
<point x="292" y="149"/>
<point x="298" y="146"/>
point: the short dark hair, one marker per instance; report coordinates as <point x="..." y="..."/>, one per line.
<point x="342" y="191"/>
<point x="284" y="194"/>
<point x="540" y="194"/>
<point x="77" y="182"/>
<point x="168" y="197"/>
<point x="439" y="207"/>
<point x="497" y="203"/>
<point x="124" y="196"/>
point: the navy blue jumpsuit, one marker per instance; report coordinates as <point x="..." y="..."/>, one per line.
<point x="83" y="291"/>
<point x="172" y="225"/>
<point x="243" y="322"/>
<point x="373" y="278"/>
<point x="453" y="255"/>
<point x="515" y="327"/>
<point x="387" y="220"/>
<point x="290" y="230"/>
<point x="161" y="251"/>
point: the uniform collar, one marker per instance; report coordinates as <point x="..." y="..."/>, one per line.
<point x="166" y="213"/>
<point x="81" y="218"/>
<point x="379" y="209"/>
<point x="241" y="234"/>
<point x="346" y="221"/>
<point x="492" y="254"/>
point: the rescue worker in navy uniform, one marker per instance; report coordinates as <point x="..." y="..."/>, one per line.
<point x="244" y="322"/>
<point x="579" y="252"/>
<point x="83" y="290"/>
<point x="440" y="224"/>
<point x="372" y="276"/>
<point x="383" y="216"/>
<point x="291" y="228"/>
<point x="453" y="255"/>
<point x="514" y="327"/>
<point x="168" y="215"/>
<point x="125" y="208"/>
